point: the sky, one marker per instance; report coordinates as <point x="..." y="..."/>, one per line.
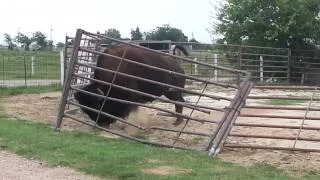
<point x="65" y="16"/>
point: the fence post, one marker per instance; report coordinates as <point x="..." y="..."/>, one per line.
<point x="25" y="70"/>
<point x="289" y="65"/>
<point x="215" y="71"/>
<point x="261" y="69"/>
<point x="239" y="63"/>
<point x="196" y="67"/>
<point x="32" y="65"/>
<point x="61" y="67"/>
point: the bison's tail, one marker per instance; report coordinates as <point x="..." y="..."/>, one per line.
<point x="181" y="48"/>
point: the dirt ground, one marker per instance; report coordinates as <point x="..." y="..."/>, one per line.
<point x="14" y="167"/>
<point x="43" y="108"/>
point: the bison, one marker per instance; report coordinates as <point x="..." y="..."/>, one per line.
<point x="140" y="55"/>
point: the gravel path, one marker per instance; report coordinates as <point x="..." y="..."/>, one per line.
<point x="13" y="167"/>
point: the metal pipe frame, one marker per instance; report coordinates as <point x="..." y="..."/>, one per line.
<point x="160" y="69"/>
<point x="140" y="104"/>
<point x="280" y="117"/>
<point x="274" y="126"/>
<point x="273" y="137"/>
<point x="178" y="131"/>
<point x="270" y="148"/>
<point x="128" y="137"/>
<point x="166" y="54"/>
<point x="158" y="83"/>
<point x="80" y="48"/>
<point x="281" y="108"/>
<point x="282" y="98"/>
<point x="149" y="95"/>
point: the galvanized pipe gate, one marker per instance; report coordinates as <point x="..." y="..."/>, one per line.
<point x="83" y="69"/>
<point x="291" y="127"/>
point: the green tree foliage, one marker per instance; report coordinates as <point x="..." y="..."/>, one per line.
<point x="278" y="23"/>
<point x="24" y="40"/>
<point x="113" y="33"/>
<point x="9" y="41"/>
<point x="60" y="45"/>
<point x="41" y="39"/>
<point x="136" y="34"/>
<point x="166" y="32"/>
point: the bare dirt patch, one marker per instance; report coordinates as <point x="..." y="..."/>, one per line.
<point x="43" y="108"/>
<point x="166" y="170"/>
<point x="14" y="167"/>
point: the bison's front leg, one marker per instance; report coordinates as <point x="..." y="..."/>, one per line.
<point x="176" y="96"/>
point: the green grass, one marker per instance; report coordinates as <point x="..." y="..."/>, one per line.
<point x="17" y="65"/>
<point x="28" y="90"/>
<point x="118" y="159"/>
<point x="284" y="102"/>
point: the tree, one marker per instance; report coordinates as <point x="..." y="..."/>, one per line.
<point x="166" y="32"/>
<point x="278" y="23"/>
<point x="193" y="40"/>
<point x="60" y="45"/>
<point x="24" y="40"/>
<point x="113" y="33"/>
<point x="50" y="45"/>
<point x="41" y="39"/>
<point x="9" y="41"/>
<point x="136" y="34"/>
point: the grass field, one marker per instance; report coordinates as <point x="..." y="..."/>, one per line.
<point x="15" y="65"/>
<point x="118" y="158"/>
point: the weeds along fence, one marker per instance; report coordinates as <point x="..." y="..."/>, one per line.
<point x="199" y="130"/>
<point x="29" y="68"/>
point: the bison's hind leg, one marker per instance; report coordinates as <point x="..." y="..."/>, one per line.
<point x="176" y="96"/>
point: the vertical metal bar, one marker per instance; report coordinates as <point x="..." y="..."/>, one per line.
<point x="67" y="83"/>
<point x="65" y="58"/>
<point x="112" y="82"/>
<point x="304" y="118"/>
<point x="216" y="64"/>
<point x="3" y="73"/>
<point x="289" y="66"/>
<point x="261" y="69"/>
<point x="240" y="103"/>
<point x="239" y="63"/>
<point x="205" y="87"/>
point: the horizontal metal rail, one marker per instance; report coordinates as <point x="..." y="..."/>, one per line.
<point x="156" y="82"/>
<point x="155" y="51"/>
<point x="265" y="55"/>
<point x="288" y="87"/>
<point x="183" y="132"/>
<point x="279" y="116"/>
<point x="282" y="98"/>
<point x="275" y="126"/>
<point x="273" y="137"/>
<point x="105" y="114"/>
<point x="126" y="136"/>
<point x="271" y="148"/>
<point x="169" y="115"/>
<point x="282" y="108"/>
<point x="159" y="69"/>
<point x="139" y="104"/>
<point x="148" y="95"/>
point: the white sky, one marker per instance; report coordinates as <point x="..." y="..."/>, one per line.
<point x="66" y="16"/>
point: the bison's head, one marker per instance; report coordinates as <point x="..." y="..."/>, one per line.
<point x="93" y="102"/>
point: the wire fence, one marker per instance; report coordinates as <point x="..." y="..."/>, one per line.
<point x="29" y="69"/>
<point x="267" y="65"/>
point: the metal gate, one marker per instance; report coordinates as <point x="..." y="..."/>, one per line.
<point x="290" y="123"/>
<point x="200" y="107"/>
